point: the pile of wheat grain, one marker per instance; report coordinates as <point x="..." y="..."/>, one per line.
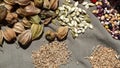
<point x="104" y="57"/>
<point x="51" y="55"/>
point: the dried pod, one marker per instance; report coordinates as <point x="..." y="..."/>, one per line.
<point x="46" y="14"/>
<point x="11" y="2"/>
<point x="62" y="32"/>
<point x="54" y="5"/>
<point x="21" y="12"/>
<point x="22" y="2"/>
<point x="11" y="18"/>
<point x="46" y="21"/>
<point x="9" y="7"/>
<point x="25" y="37"/>
<point x="39" y="3"/>
<point x="51" y="2"/>
<point x="35" y="19"/>
<point x="18" y="27"/>
<point x="46" y="4"/>
<point x="9" y="34"/>
<point x="50" y="35"/>
<point x="26" y="23"/>
<point x="36" y="30"/>
<point x="28" y="10"/>
<point x="1" y="37"/>
<point x="3" y="12"/>
<point x="31" y="9"/>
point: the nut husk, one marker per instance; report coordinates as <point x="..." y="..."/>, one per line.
<point x="1" y="37"/>
<point x="54" y="5"/>
<point x="25" y="37"/>
<point x="46" y="21"/>
<point x="39" y="3"/>
<point x="47" y="14"/>
<point x="11" y="18"/>
<point x="50" y="35"/>
<point x="18" y="27"/>
<point x="11" y="2"/>
<point x="51" y="2"/>
<point x="36" y="30"/>
<point x="62" y="32"/>
<point x="22" y="2"/>
<point x="46" y="4"/>
<point x="9" y="34"/>
<point x="28" y="10"/>
<point x="26" y="23"/>
<point x="9" y="7"/>
<point x="35" y="19"/>
<point x="3" y="12"/>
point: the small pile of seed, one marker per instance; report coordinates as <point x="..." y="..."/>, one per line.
<point x="74" y="17"/>
<point x="51" y="55"/>
<point x="108" y="17"/>
<point x="104" y="57"/>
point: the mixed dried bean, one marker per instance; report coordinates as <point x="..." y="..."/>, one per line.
<point x="108" y="17"/>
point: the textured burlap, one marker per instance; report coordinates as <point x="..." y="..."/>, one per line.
<point x="81" y="47"/>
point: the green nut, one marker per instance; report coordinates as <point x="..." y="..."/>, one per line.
<point x="35" y="19"/>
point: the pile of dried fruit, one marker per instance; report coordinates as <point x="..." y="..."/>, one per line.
<point x="75" y="18"/>
<point x="108" y="17"/>
<point x="61" y="33"/>
<point x="24" y="20"/>
<point x="103" y="57"/>
<point x="51" y="55"/>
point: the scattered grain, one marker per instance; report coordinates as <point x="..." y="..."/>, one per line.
<point x="51" y="55"/>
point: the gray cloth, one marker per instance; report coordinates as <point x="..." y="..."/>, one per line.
<point x="81" y="47"/>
